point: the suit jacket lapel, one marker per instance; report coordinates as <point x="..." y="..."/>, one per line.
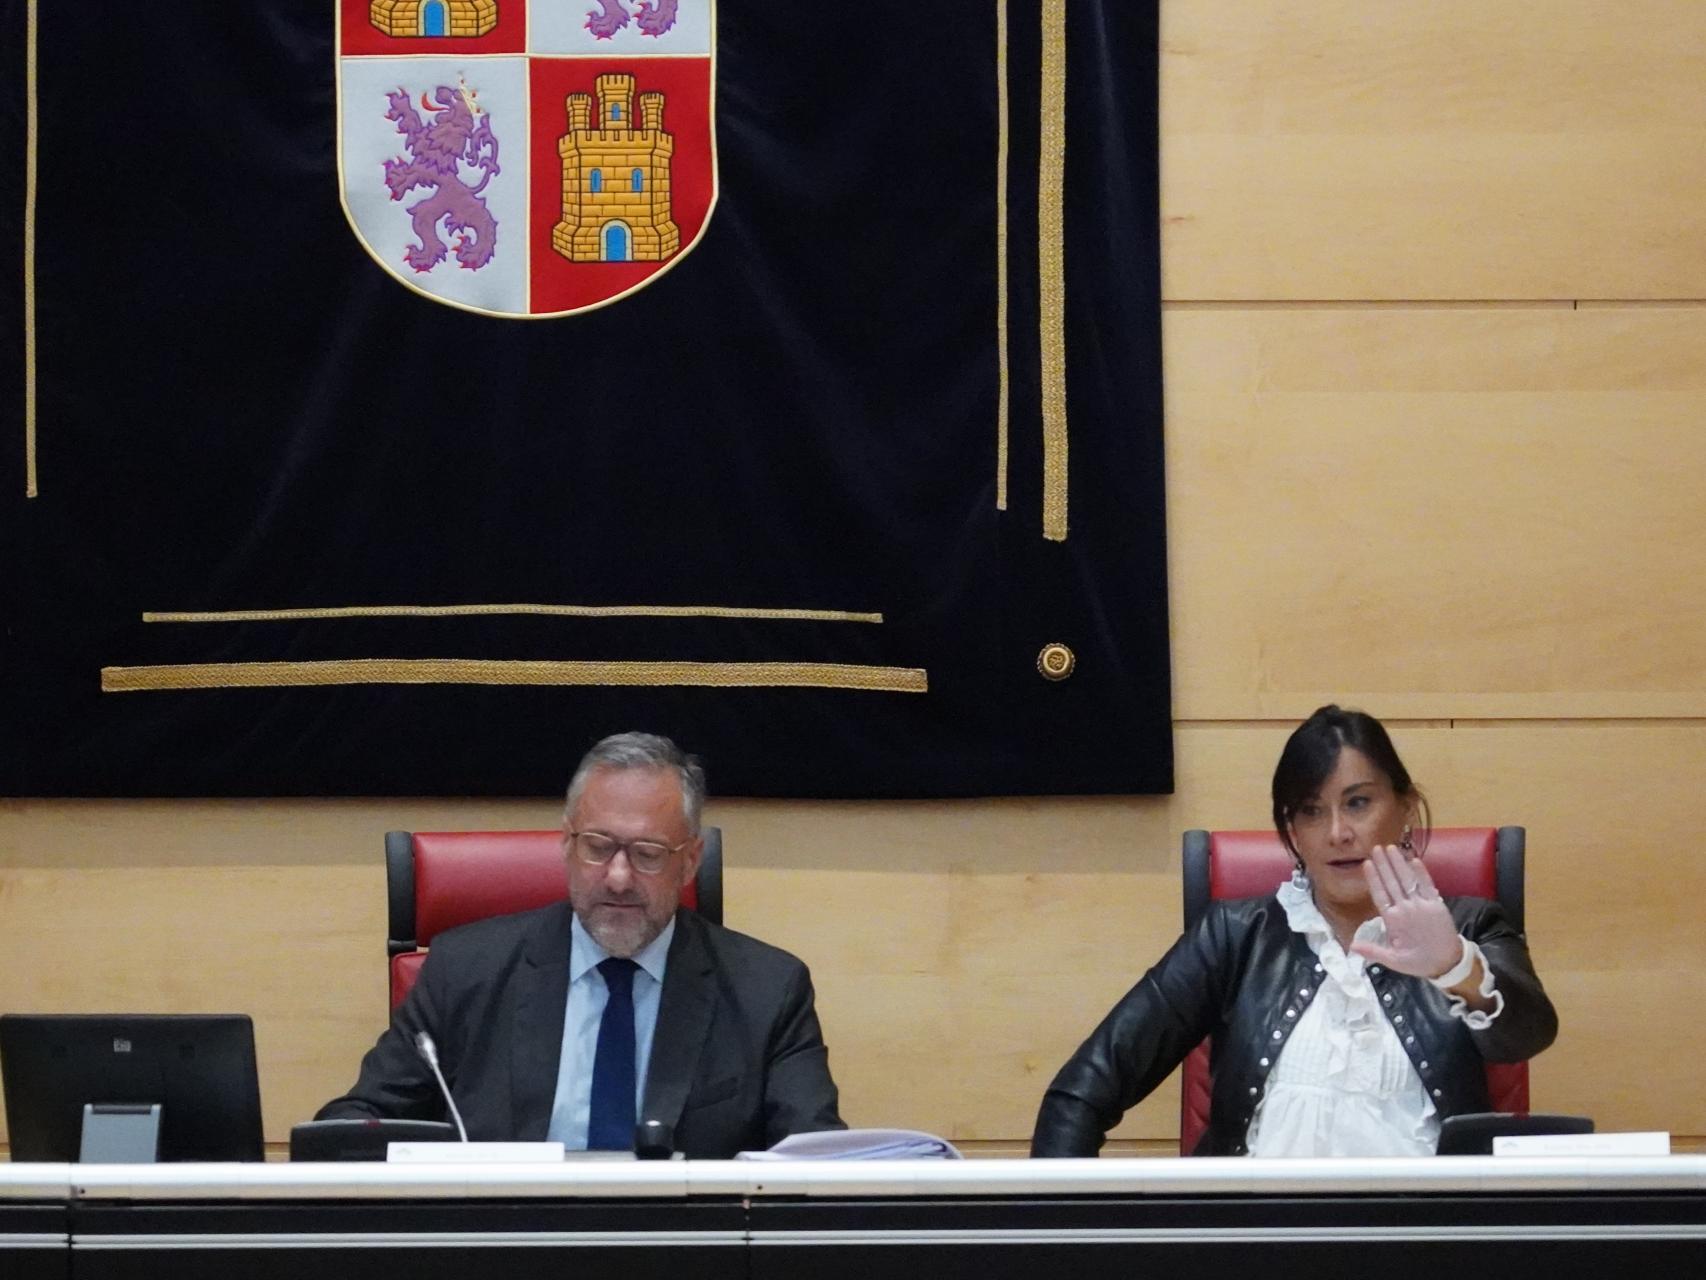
<point x="684" y="1020"/>
<point x="541" y="998"/>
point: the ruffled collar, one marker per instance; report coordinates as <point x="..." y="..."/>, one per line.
<point x="1297" y="897"/>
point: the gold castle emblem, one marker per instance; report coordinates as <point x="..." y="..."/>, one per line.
<point x="433" y="17"/>
<point x="616" y="178"/>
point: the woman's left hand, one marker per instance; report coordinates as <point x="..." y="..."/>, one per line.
<point x="1421" y="937"/>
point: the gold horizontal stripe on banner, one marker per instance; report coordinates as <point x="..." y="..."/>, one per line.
<point x="542" y="610"/>
<point x="261" y="675"/>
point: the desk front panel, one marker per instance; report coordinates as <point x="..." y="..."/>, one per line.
<point x="1205" y="1238"/>
<point x="1516" y="1218"/>
<point x="34" y="1241"/>
<point x="432" y="1240"/>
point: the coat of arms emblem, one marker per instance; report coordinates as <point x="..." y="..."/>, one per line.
<point x="527" y="158"/>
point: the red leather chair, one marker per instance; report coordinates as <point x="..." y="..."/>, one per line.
<point x="436" y="880"/>
<point x="1475" y="862"/>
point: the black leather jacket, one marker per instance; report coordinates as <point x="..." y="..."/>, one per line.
<point x="1243" y="976"/>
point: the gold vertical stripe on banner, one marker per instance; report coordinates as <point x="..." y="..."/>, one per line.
<point x="527" y="109"/>
<point x="1051" y="259"/>
<point x="536" y="610"/>
<point x="31" y="120"/>
<point x="1003" y="373"/>
<point x="493" y="671"/>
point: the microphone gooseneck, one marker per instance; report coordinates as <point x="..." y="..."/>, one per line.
<point x="429" y="1054"/>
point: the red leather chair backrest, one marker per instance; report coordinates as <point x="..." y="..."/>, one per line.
<point x="1252" y="864"/>
<point x="1473" y="862"/>
<point x="441" y="879"/>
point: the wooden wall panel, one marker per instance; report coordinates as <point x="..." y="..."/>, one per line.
<point x="273" y="908"/>
<point x="1447" y="512"/>
<point x="1457" y="149"/>
<point x="290" y="946"/>
<point x="1614" y="890"/>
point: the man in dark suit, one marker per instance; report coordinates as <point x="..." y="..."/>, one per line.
<point x="575" y="1020"/>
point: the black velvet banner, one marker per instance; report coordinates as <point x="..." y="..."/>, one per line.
<point x="532" y="427"/>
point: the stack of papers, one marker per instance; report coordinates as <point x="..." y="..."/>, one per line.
<point x="859" y="1144"/>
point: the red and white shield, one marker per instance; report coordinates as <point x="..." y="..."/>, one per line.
<point x="527" y="158"/>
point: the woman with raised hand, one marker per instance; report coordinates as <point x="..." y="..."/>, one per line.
<point x="1351" y="1011"/>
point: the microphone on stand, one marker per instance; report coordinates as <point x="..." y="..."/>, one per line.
<point x="429" y="1054"/>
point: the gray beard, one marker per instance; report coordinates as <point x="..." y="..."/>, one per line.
<point x="624" y="939"/>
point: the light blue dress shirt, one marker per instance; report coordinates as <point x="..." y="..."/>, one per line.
<point x="572" y="1107"/>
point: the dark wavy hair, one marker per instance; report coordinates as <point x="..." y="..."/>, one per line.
<point x="1312" y="753"/>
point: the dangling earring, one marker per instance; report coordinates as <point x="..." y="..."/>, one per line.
<point x="1404" y="842"/>
<point x="1299" y="876"/>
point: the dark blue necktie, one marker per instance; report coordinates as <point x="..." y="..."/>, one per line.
<point x="610" y="1126"/>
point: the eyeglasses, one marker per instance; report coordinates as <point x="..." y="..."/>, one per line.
<point x="648" y="857"/>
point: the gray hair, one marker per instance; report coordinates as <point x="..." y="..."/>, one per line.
<point x="642" y="751"/>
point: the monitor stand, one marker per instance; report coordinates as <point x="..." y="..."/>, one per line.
<point x="120" y="1133"/>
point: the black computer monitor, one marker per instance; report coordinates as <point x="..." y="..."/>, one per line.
<point x="198" y="1068"/>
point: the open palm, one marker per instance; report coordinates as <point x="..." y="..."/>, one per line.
<point x="1421" y="937"/>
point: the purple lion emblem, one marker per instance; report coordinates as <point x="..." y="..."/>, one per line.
<point x="610" y="17"/>
<point x="436" y="152"/>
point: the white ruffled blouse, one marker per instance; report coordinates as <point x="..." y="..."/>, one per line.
<point x="1343" y="1085"/>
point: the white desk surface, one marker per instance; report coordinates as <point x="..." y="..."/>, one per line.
<point x="828" y="1179"/>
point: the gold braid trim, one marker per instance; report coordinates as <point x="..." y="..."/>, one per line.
<point x="31" y="122"/>
<point x="1003" y="372"/>
<point x="1051" y="258"/>
<point x="262" y="675"/>
<point x="546" y="610"/>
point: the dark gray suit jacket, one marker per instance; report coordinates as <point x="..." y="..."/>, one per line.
<point x="738" y="1061"/>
